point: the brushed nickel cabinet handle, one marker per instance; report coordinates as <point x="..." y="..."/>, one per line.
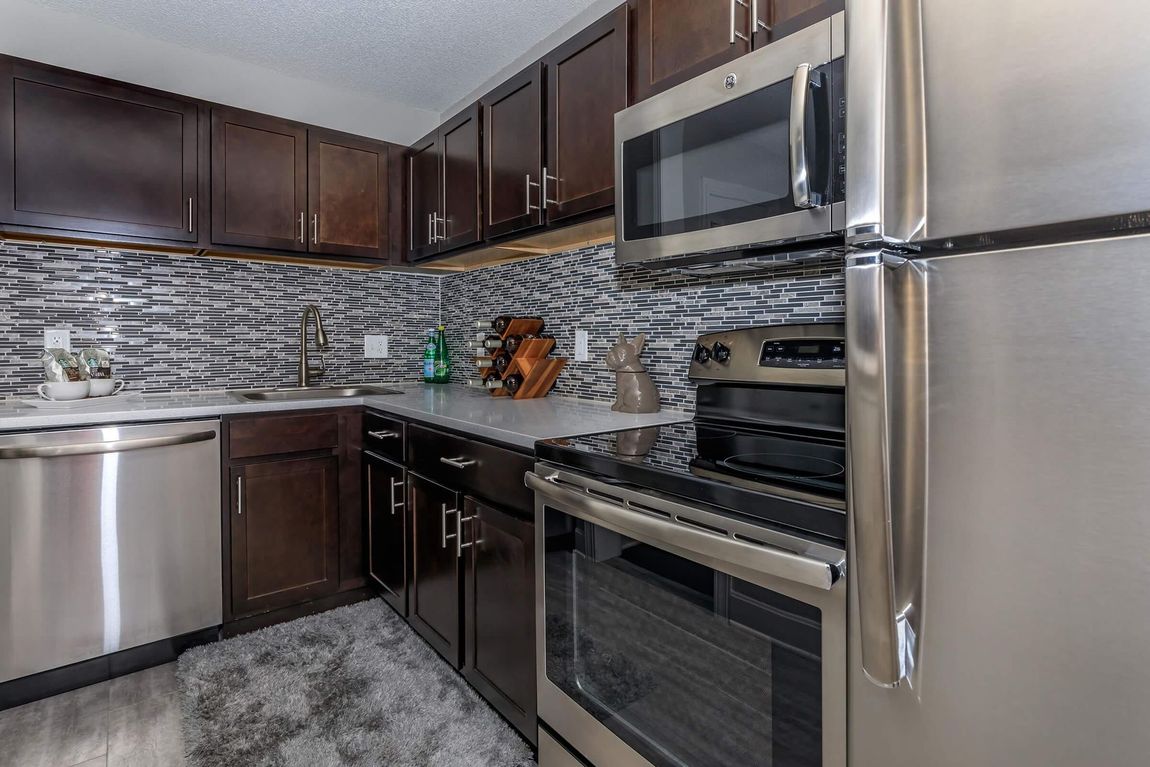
<point x="530" y="207"/>
<point x="458" y="463"/>
<point x="459" y="544"/>
<point x="302" y="228"/>
<point x="383" y="434"/>
<point x="239" y="496"/>
<point x="315" y="228"/>
<point x="756" y="21"/>
<point x="190" y="216"/>
<point x="395" y="505"/>
<point x="734" y="11"/>
<point x="444" y="512"/>
<point x="547" y="201"/>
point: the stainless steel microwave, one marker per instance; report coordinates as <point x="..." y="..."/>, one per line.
<point x="745" y="162"/>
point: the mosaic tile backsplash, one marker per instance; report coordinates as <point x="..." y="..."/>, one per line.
<point x="585" y="289"/>
<point x="181" y="323"/>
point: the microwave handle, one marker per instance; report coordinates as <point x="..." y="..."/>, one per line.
<point x="800" y="168"/>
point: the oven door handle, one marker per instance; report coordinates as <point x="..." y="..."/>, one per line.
<point x="710" y="547"/>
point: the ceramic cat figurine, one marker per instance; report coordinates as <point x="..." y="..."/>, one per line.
<point x="634" y="390"/>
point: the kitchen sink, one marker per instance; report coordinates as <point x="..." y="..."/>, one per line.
<point x="311" y="392"/>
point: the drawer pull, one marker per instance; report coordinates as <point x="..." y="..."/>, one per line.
<point x="459" y="463"/>
<point x="445" y="512"/>
<point x="383" y="434"/>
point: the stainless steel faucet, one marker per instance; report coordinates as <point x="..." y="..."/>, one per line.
<point x="306" y="371"/>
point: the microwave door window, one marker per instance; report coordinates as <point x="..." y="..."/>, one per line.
<point x="726" y="165"/>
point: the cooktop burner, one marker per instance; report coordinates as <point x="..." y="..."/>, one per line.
<point x="783" y="466"/>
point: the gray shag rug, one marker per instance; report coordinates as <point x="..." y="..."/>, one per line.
<point x="352" y="686"/>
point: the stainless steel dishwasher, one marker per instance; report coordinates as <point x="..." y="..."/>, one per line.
<point x="109" y="539"/>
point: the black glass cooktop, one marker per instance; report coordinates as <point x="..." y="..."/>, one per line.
<point x="790" y="478"/>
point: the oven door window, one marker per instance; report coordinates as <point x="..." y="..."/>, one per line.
<point x="727" y="165"/>
<point x="685" y="664"/>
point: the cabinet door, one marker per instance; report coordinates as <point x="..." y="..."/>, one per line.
<point x="586" y="86"/>
<point x="513" y="153"/>
<point x="436" y="573"/>
<point x="87" y="155"/>
<point x="387" y="529"/>
<point x="676" y="40"/>
<point x="779" y="18"/>
<point x="423" y="178"/>
<point x="459" y="138"/>
<point x="259" y="181"/>
<point x="347" y="195"/>
<point x="284" y="533"/>
<point x="499" y="611"/>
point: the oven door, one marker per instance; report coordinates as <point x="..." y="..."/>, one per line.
<point x="746" y="156"/>
<point x="672" y="636"/>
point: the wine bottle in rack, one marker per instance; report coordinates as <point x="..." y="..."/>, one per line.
<point x="502" y="322"/>
<point x="510" y="384"/>
<point x="485" y="344"/>
<point x="501" y="360"/>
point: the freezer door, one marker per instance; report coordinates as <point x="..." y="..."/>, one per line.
<point x="985" y="116"/>
<point x="1017" y="559"/>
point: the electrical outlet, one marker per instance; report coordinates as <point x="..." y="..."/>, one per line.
<point x="58" y="338"/>
<point x="375" y="347"/>
<point x="581" y="353"/>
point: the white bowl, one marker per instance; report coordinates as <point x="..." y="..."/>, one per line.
<point x="63" y="390"/>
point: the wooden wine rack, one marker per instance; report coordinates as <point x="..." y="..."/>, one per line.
<point x="530" y="360"/>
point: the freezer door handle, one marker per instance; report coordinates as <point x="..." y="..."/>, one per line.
<point x="882" y="623"/>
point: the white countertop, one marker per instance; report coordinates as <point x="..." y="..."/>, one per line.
<point x="501" y="419"/>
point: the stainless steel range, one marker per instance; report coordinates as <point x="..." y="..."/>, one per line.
<point x="691" y="596"/>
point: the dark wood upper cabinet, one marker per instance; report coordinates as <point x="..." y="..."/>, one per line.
<point x="586" y="86"/>
<point x="434" y="597"/>
<point x="779" y="18"/>
<point x="513" y="154"/>
<point x="347" y="195"/>
<point x="388" y="561"/>
<point x="499" y="599"/>
<point x="423" y="179"/>
<point x="460" y="217"/>
<point x="284" y="533"/>
<point x="88" y="155"/>
<point x="259" y="181"/>
<point x="675" y="40"/>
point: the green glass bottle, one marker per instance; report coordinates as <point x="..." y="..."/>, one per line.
<point x="442" y="359"/>
<point x="429" y="357"/>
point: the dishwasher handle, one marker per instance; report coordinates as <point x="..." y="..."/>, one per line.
<point x="110" y="446"/>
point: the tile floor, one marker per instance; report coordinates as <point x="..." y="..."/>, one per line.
<point x="131" y="721"/>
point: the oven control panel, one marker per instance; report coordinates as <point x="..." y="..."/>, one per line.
<point x="809" y="354"/>
<point x="803" y="353"/>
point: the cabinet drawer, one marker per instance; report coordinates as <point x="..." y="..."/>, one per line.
<point x="383" y="435"/>
<point x="492" y="473"/>
<point x="278" y="434"/>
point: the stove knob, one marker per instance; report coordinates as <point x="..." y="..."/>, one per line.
<point x="702" y="356"/>
<point x="721" y="353"/>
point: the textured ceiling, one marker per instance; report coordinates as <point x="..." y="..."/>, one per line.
<point x="423" y="53"/>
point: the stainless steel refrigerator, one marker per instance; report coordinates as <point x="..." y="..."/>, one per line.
<point x="999" y="383"/>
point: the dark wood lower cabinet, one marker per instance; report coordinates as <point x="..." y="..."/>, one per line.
<point x="284" y="533"/>
<point x="499" y="611"/>
<point x="434" y="609"/>
<point x="387" y="529"/>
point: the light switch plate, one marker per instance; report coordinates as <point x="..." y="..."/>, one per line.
<point x="375" y="347"/>
<point x="58" y="338"/>
<point x="581" y="354"/>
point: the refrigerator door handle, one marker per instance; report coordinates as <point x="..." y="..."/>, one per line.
<point x="883" y="625"/>
<point x="886" y="178"/>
